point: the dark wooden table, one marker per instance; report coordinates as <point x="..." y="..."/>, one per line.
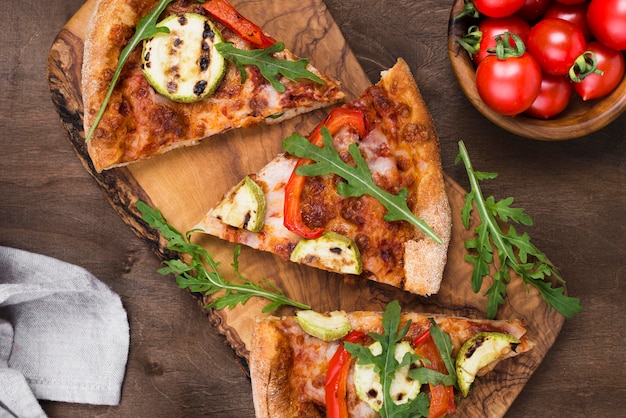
<point x="178" y="364"/>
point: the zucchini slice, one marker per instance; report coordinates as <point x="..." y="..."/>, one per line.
<point x="184" y="64"/>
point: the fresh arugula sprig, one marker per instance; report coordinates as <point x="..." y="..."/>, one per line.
<point x="146" y="29"/>
<point x="201" y="275"/>
<point x="358" y="180"/>
<point x="514" y="250"/>
<point x="386" y="364"/>
<point x="269" y="66"/>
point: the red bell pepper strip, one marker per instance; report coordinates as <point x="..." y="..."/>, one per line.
<point x="442" y="400"/>
<point x="337" y="376"/>
<point x="231" y="18"/>
<point x="337" y="119"/>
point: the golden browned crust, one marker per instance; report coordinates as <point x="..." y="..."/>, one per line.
<point x="424" y="259"/>
<point x="271" y="366"/>
<point x="139" y="124"/>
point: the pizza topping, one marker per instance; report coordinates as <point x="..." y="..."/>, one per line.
<point x="328" y="327"/>
<point x="358" y="180"/>
<point x="145" y="30"/>
<point x="402" y="388"/>
<point x="244" y="206"/>
<point x="442" y="400"/>
<point x="229" y="16"/>
<point x="183" y="64"/>
<point x="478" y="352"/>
<point x="339" y="118"/>
<point x="392" y="370"/>
<point x="269" y="65"/>
<point x="331" y="251"/>
<point x="337" y="377"/>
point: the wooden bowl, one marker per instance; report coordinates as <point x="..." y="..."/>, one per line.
<point x="578" y="119"/>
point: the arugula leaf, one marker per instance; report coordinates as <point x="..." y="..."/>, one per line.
<point x="358" y="180"/>
<point x="146" y="29"/>
<point x="443" y="342"/>
<point x="269" y="66"/>
<point x="196" y="277"/>
<point x="386" y="365"/>
<point x="515" y="251"/>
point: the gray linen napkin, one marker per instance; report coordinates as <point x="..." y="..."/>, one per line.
<point x="64" y="335"/>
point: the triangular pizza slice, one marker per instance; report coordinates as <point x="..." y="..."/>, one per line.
<point x="370" y="364"/>
<point x="386" y="139"/>
<point x="187" y="70"/>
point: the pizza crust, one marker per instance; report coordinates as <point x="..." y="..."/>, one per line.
<point x="424" y="259"/>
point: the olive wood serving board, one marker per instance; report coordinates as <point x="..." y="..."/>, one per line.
<point x="185" y="183"/>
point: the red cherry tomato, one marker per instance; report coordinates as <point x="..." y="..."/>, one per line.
<point x="533" y="9"/>
<point x="494" y="26"/>
<point x="498" y="8"/>
<point x="607" y="22"/>
<point x="555" y="44"/>
<point x="508" y="84"/>
<point x="570" y="1"/>
<point x="575" y="13"/>
<point x="611" y="62"/>
<point x="554" y="96"/>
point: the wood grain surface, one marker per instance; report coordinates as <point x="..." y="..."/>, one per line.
<point x="185" y="183"/>
<point x="178" y="364"/>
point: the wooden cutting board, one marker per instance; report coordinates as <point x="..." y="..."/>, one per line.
<point x="184" y="183"/>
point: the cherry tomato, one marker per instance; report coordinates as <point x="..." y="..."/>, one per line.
<point x="498" y="8"/>
<point x="575" y="13"/>
<point x="607" y="22"/>
<point x="533" y="9"/>
<point x="611" y="62"/>
<point x="555" y="44"/>
<point x="554" y="96"/>
<point x="510" y="83"/>
<point x="494" y="26"/>
<point x="570" y="1"/>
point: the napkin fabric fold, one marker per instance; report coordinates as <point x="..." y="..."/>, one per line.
<point x="64" y="335"/>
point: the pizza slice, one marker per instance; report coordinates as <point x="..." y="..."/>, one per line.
<point x="366" y="363"/>
<point x="385" y="144"/>
<point x="187" y="70"/>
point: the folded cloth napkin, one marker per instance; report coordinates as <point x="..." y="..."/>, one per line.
<point x="64" y="335"/>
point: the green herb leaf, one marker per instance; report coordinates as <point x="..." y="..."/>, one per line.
<point x="358" y="180"/>
<point x="514" y="250"/>
<point x="269" y="66"/>
<point x="201" y="275"/>
<point x="386" y="365"/>
<point x="146" y="29"/>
